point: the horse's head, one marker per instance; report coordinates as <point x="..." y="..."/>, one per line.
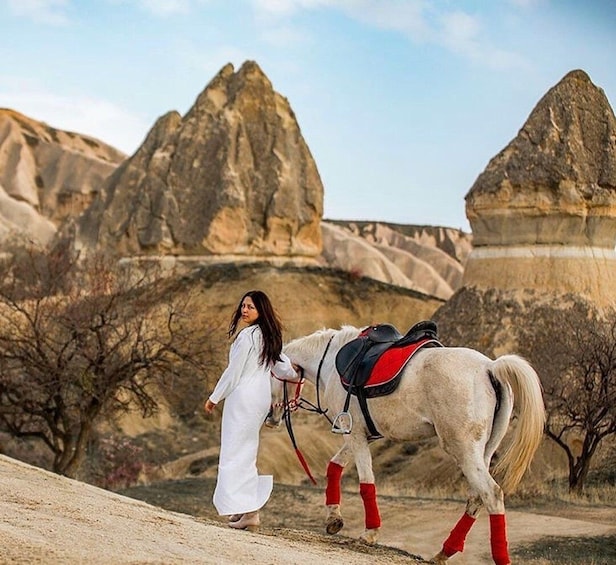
<point x="313" y="357"/>
<point x="285" y="397"/>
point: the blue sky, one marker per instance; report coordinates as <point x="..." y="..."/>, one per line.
<point x="402" y="102"/>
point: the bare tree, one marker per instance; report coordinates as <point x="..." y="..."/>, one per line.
<point x="576" y="350"/>
<point x="80" y="341"/>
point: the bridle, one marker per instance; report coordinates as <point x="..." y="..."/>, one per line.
<point x="290" y="405"/>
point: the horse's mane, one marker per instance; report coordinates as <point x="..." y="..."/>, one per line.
<point x="347" y="332"/>
<point x="315" y="343"/>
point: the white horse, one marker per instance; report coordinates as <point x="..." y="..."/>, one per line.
<point x="455" y="393"/>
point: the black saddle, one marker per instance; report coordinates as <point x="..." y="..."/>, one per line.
<point x="356" y="359"/>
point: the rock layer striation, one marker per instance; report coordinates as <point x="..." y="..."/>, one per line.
<point x="543" y="212"/>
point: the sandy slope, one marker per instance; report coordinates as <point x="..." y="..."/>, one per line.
<point x="49" y="519"/>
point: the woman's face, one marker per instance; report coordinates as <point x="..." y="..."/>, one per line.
<point x="249" y="311"/>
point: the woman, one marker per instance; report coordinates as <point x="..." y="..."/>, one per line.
<point x="245" y="386"/>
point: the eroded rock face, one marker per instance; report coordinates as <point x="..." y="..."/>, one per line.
<point x="233" y="176"/>
<point x="46" y="175"/>
<point x="423" y="258"/>
<point x="556" y="181"/>
<point x="543" y="213"/>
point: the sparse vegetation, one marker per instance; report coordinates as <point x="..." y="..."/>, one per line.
<point x="576" y="350"/>
<point x="82" y="341"/>
<point x="117" y="463"/>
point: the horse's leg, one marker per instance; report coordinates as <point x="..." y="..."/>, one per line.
<point x="367" y="490"/>
<point x="455" y="542"/>
<point x="492" y="496"/>
<point x="333" y="521"/>
<point x="481" y="482"/>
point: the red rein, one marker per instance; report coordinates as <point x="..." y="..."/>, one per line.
<point x="289" y="406"/>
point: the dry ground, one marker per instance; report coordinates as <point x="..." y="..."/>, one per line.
<point x="48" y="519"/>
<point x="416" y="526"/>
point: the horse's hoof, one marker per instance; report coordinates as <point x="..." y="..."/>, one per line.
<point x="334" y="525"/>
<point x="370" y="536"/>
<point x="440" y="557"/>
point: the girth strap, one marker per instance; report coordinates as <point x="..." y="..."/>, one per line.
<point x="360" y="393"/>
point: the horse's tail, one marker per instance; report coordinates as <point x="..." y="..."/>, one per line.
<point x="528" y="405"/>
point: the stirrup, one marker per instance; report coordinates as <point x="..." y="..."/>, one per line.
<point x="343" y="423"/>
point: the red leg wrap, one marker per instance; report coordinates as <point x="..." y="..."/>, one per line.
<point x="332" y="490"/>
<point x="457" y="536"/>
<point x="498" y="539"/>
<point x="371" y="509"/>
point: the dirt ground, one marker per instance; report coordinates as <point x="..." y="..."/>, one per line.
<point x="48" y="519"/>
<point x="416" y="526"/>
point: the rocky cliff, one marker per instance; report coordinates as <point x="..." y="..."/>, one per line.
<point x="233" y="176"/>
<point x="46" y="175"/>
<point x="543" y="212"/>
<point x="232" y="181"/>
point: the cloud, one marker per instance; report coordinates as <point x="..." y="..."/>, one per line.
<point x="422" y="22"/>
<point x="166" y="7"/>
<point x="50" y="12"/>
<point x="398" y="15"/>
<point x="288" y="7"/>
<point x="525" y="4"/>
<point x="283" y="36"/>
<point x="461" y="34"/>
<point x="209" y="62"/>
<point x="163" y="8"/>
<point x="94" y="117"/>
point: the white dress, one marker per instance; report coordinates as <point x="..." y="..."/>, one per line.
<point x="246" y="389"/>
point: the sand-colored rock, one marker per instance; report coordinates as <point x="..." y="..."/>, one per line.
<point x="46" y="175"/>
<point x="233" y="176"/>
<point x="555" y="183"/>
<point x="48" y="519"/>
<point x="427" y="259"/>
<point x="587" y="271"/>
<point x="137" y="212"/>
<point x="543" y="212"/>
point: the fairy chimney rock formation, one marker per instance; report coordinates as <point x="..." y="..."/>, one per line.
<point x="233" y="177"/>
<point x="46" y="175"/>
<point x="543" y="212"/>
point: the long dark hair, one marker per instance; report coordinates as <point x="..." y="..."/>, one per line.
<point x="268" y="321"/>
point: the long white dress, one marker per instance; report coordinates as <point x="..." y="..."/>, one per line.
<point x="246" y="389"/>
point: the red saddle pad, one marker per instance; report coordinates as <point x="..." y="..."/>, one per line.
<point x="392" y="361"/>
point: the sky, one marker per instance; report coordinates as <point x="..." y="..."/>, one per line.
<point x="401" y="102"/>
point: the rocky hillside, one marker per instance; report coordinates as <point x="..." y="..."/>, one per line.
<point x="232" y="180"/>
<point x="53" y="520"/>
<point x="233" y="176"/>
<point x="204" y="196"/>
<point x="46" y="175"/>
<point x="429" y="259"/>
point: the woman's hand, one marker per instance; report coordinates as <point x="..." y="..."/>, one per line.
<point x="209" y="406"/>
